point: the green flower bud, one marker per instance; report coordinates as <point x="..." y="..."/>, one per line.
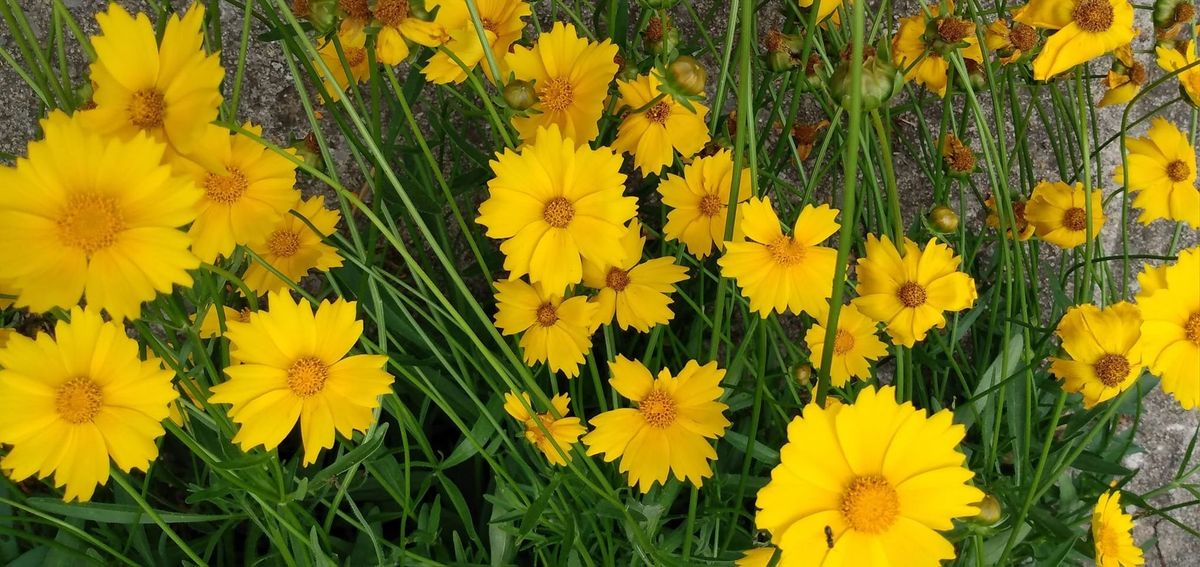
<point x="990" y="511"/>
<point x="660" y="36"/>
<point x="943" y="219"/>
<point x="779" y="61"/>
<point x="306" y="148"/>
<point x="519" y="95"/>
<point x="880" y="80"/>
<point x="322" y="14"/>
<point x="687" y="75"/>
<point x="803" y="374"/>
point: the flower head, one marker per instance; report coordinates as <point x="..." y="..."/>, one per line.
<point x="211" y="325"/>
<point x="556" y="331"/>
<point x="556" y="204"/>
<point x="1125" y="77"/>
<point x="1162" y="170"/>
<point x="668" y="431"/>
<point x="397" y="27"/>
<point x="1104" y="351"/>
<point x="1086" y="29"/>
<point x="654" y="134"/>
<point x="1171" y="328"/>
<point x="855" y="345"/>
<point x="1024" y="229"/>
<point x="826" y="9"/>
<point x="909" y="293"/>
<point x="1172" y="60"/>
<point x="924" y="59"/>
<point x="503" y="22"/>
<point x="699" y="201"/>
<point x="70" y="403"/>
<point x="1059" y="216"/>
<point x="564" y="431"/>
<point x="636" y="293"/>
<point x="292" y="248"/>
<point x="293" y="364"/>
<point x="1012" y="42"/>
<point x="94" y="216"/>
<point x="350" y="63"/>
<point x="1112" y="533"/>
<point x="779" y="272"/>
<point x="866" y="481"/>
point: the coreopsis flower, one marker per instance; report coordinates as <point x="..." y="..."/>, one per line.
<point x="1150" y="280"/>
<point x="778" y="272"/>
<point x="1058" y="213"/>
<point x="910" y="293"/>
<point x="668" y="431"/>
<point x="352" y="39"/>
<point x="922" y="52"/>
<point x="1171" y="327"/>
<point x="94" y="216"/>
<point x="556" y="330"/>
<point x="855" y="345"/>
<point x="804" y="135"/>
<point x="868" y="484"/>
<point x="1162" y="171"/>
<point x="957" y="156"/>
<point x="1010" y="42"/>
<point x="1085" y="30"/>
<point x="571" y="75"/>
<point x="699" y="201"/>
<point x="1104" y="351"/>
<point x="503" y="22"/>
<point x="293" y="364"/>
<point x="292" y="248"/>
<point x="1172" y="60"/>
<point x="70" y="403"/>
<point x="556" y="204"/>
<point x="827" y="8"/>
<point x="1024" y="229"/>
<point x="397" y="27"/>
<point x="247" y="190"/>
<point x="1125" y="78"/>
<point x="636" y="293"/>
<point x="564" y="431"/>
<point x="170" y="91"/>
<point x="210" y="325"/>
<point x="653" y="133"/>
<point x="1112" y="533"/>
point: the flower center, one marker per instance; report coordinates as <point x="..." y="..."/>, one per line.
<point x="226" y="189"/>
<point x="1112" y="369"/>
<point x="1075" y="219"/>
<point x="658" y="409"/>
<point x="786" y="252"/>
<point x="488" y="24"/>
<point x="659" y="113"/>
<point x="1018" y="209"/>
<point x="1191" y="329"/>
<point x="243" y="315"/>
<point x="1177" y="171"/>
<point x="547" y="315"/>
<point x="391" y="12"/>
<point x="617" y="279"/>
<point x="870" y="504"/>
<point x="911" y="294"/>
<point x="953" y="30"/>
<point x="558" y="212"/>
<point x="557" y="94"/>
<point x="283" y="243"/>
<point x="79" y="400"/>
<point x="307" y="376"/>
<point x="1093" y="16"/>
<point x="146" y="109"/>
<point x="843" y="342"/>
<point x="354" y="55"/>
<point x="710" y="205"/>
<point x="90" y="222"/>
<point x="1022" y="36"/>
<point x="355" y="8"/>
<point x="959" y="157"/>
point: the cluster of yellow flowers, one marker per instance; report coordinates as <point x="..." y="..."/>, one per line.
<point x="116" y="204"/>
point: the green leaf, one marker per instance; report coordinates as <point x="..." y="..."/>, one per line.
<point x="118" y="514"/>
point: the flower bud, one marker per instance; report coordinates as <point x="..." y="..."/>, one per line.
<point x="519" y="95"/>
<point x="687" y="75"/>
<point x="1169" y="13"/>
<point x="990" y="511"/>
<point x="322" y="14"/>
<point x="880" y="80"/>
<point x="660" y="36"/>
<point x="306" y="148"/>
<point x="943" y="219"/>
<point x="803" y="374"/>
<point x="779" y="61"/>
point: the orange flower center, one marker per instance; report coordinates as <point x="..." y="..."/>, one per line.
<point x="870" y="504"/>
<point x="1191" y="329"/>
<point x="959" y="157"/>
<point x="488" y="24"/>
<point x="1112" y="369"/>
<point x="1093" y="16"/>
<point x="557" y="94"/>
<point x="710" y="205"/>
<point x="391" y="12"/>
<point x="786" y="252"/>
<point x="1018" y="209"/>
<point x="617" y="279"/>
<point x="1075" y="219"/>
<point x="354" y="55"/>
<point x="146" y="109"/>
<point x="911" y="294"/>
<point x="90" y="222"/>
<point x="558" y="212"/>
<point x="1022" y="36"/>
<point x="843" y="342"/>
<point x="355" y="8"/>
<point x="953" y="30"/>
<point x="226" y="189"/>
<point x="243" y="315"/>
<point x="547" y="315"/>
<point x="658" y="409"/>
<point x="79" y="400"/>
<point x="659" y="113"/>
<point x="1177" y="171"/>
<point x="307" y="376"/>
<point x="283" y="243"/>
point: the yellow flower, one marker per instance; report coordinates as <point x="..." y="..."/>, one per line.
<point x="557" y="331"/>
<point x="636" y="293"/>
<point x="699" y="200"/>
<point x="653" y="135"/>
<point x="571" y="75"/>
<point x="1058" y="213"/>
<point x="1150" y="280"/>
<point x="1086" y="29"/>
<point x="1124" y="79"/>
<point x="668" y="431"/>
<point x="780" y="272"/>
<point x="1162" y="170"/>
<point x="910" y="293"/>
<point x="1103" y="348"/>
<point x="292" y="248"/>
<point x="292" y="364"/>
<point x="555" y="205"/>
<point x="1171" y="329"/>
<point x="564" y="431"/>
<point x="1172" y="60"/>
<point x="210" y="326"/>
<point x="170" y="91"/>
<point x="855" y="345"/>
<point x="398" y="26"/>
<point x="1112" y="532"/>
<point x="1011" y="42"/>
<point x="95" y="216"/>
<point x="70" y="403"/>
<point x="1024" y="229"/>
<point x="920" y="59"/>
<point x="867" y="484"/>
<point x="503" y="22"/>
<point x="756" y="557"/>
<point x="827" y="8"/>
<point x="353" y="40"/>
<point x="247" y="190"/>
